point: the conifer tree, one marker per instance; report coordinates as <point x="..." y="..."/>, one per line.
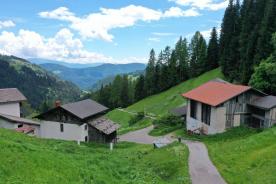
<point x="139" y="88"/>
<point x="198" y="52"/>
<point x="182" y="56"/>
<point x="212" y="61"/>
<point x="150" y="74"/>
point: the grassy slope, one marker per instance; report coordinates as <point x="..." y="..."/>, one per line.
<point x="245" y="157"/>
<point x="123" y="118"/>
<point x="160" y="104"/>
<point x="30" y="160"/>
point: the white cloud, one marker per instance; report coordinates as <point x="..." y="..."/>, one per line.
<point x="203" y="4"/>
<point x="154" y="39"/>
<point x="63" y="46"/>
<point x="98" y="25"/>
<point x="6" y="24"/>
<point x="177" y="12"/>
<point x="163" y="34"/>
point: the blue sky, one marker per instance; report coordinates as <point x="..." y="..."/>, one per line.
<point x="91" y="31"/>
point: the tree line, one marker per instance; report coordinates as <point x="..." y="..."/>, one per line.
<point x="171" y="67"/>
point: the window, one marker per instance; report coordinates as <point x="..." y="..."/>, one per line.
<point x="86" y="139"/>
<point x="61" y="127"/>
<point x="85" y="127"/>
<point x="193" y="106"/>
<point x="206" y="114"/>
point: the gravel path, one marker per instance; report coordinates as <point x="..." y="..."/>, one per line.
<point x="201" y="169"/>
<point x="141" y="136"/>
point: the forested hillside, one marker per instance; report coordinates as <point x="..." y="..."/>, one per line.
<point x="245" y="38"/>
<point x="39" y="86"/>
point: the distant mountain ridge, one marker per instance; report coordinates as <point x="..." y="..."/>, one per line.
<point x="37" y="84"/>
<point x="40" y="61"/>
<point x="85" y="78"/>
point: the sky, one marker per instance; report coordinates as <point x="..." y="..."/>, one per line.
<point x="102" y="31"/>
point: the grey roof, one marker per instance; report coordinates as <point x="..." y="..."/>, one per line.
<point x="266" y="102"/>
<point x="85" y="108"/>
<point x="104" y="125"/>
<point x="179" y="111"/>
<point x="11" y="95"/>
<point x="15" y="119"/>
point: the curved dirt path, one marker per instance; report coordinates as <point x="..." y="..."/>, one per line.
<point x="142" y="136"/>
<point x="201" y="169"/>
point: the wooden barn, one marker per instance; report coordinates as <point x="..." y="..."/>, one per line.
<point x="81" y="121"/>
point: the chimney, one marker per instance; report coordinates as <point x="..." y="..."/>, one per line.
<point x="57" y="103"/>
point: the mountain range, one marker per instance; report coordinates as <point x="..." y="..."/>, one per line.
<point x="85" y="78"/>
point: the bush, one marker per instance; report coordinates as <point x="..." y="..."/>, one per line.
<point x="138" y="117"/>
<point x="168" y="120"/>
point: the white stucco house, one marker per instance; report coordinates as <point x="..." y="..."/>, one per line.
<point x="81" y="121"/>
<point x="10" y="101"/>
<point x="10" y="113"/>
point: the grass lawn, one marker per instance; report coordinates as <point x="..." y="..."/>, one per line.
<point x="243" y="155"/>
<point x="164" y="130"/>
<point x="160" y="104"/>
<point x="30" y="160"/>
<point x="123" y="118"/>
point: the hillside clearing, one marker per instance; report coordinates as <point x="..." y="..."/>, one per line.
<point x="31" y="160"/>
<point x="160" y="104"/>
<point x="246" y="157"/>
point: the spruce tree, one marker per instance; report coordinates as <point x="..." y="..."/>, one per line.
<point x="139" y="88"/>
<point x="213" y="51"/>
<point x="198" y="52"/>
<point x="150" y="74"/>
<point x="229" y="41"/>
<point x="182" y="56"/>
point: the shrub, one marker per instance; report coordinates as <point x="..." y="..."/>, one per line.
<point x="138" y="117"/>
<point x="168" y="120"/>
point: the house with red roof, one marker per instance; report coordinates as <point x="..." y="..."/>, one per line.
<point x="217" y="105"/>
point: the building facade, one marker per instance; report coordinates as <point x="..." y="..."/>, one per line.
<point x="80" y="121"/>
<point x="217" y="105"/>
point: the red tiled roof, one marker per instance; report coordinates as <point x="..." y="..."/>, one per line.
<point x="214" y="93"/>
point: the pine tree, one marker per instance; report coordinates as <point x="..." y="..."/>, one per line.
<point x="150" y="73"/>
<point x="182" y="56"/>
<point x="124" y="92"/>
<point x="212" y="51"/>
<point x="164" y="80"/>
<point x="229" y="41"/>
<point x="139" y="88"/>
<point x="198" y="52"/>
<point x="268" y="26"/>
<point x="172" y="65"/>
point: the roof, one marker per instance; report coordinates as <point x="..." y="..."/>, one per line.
<point x="85" y="108"/>
<point x="11" y="95"/>
<point x="267" y="102"/>
<point x="15" y="119"/>
<point x="104" y="125"/>
<point x="214" y="92"/>
<point x="25" y="129"/>
<point x="179" y="111"/>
